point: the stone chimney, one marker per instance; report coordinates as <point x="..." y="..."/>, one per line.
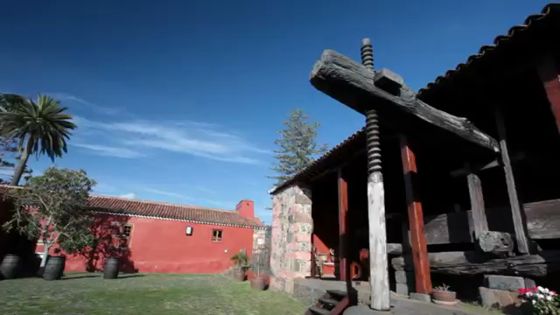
<point x="246" y="209"/>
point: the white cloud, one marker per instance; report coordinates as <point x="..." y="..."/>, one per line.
<point x="111" y="151"/>
<point x="166" y="193"/>
<point x="184" y="137"/>
<point x="69" y="98"/>
<point x="128" y="196"/>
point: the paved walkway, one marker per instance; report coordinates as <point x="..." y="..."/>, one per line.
<point x="403" y="306"/>
<point x="309" y="290"/>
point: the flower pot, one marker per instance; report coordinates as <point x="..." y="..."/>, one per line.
<point x="10" y="266"/>
<point x="444" y="296"/>
<point x="259" y="282"/>
<point x="239" y="274"/>
<point x="111" y="268"/>
<point x="54" y="268"/>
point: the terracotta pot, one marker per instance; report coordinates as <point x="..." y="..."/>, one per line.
<point x="446" y="296"/>
<point x="259" y="282"/>
<point x="239" y="274"/>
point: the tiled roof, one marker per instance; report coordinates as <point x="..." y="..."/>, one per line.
<point x="162" y="210"/>
<point x="530" y="22"/>
<point x="153" y="209"/>
<point x="357" y="137"/>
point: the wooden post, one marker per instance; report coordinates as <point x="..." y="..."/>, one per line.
<point x="418" y="244"/>
<point x="343" y="227"/>
<point x="378" y="266"/>
<point x="477" y="205"/>
<point x="517" y="215"/>
<point x="549" y="72"/>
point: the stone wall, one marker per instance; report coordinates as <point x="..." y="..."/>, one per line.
<point x="261" y="249"/>
<point x="292" y="228"/>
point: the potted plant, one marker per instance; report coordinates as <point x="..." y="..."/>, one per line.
<point x="442" y="295"/>
<point x="259" y="281"/>
<point x="241" y="265"/>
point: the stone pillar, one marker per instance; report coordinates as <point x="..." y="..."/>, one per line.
<point x="404" y="282"/>
<point x="292" y="228"/>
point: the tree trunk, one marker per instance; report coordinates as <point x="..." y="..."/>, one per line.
<point x="22" y="163"/>
<point x="45" y="254"/>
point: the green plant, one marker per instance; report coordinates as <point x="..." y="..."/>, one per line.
<point x="241" y="259"/>
<point x="53" y="209"/>
<point x="443" y="287"/>
<point x="296" y="146"/>
<point x="41" y="127"/>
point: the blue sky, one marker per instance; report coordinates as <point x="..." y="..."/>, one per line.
<point x="181" y="100"/>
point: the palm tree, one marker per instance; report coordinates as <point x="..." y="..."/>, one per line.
<point x="41" y="127"/>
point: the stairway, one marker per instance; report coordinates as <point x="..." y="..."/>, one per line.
<point x="334" y="302"/>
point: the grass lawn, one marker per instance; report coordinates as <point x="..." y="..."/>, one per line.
<point x="83" y="293"/>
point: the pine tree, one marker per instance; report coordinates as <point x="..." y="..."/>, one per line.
<point x="296" y="146"/>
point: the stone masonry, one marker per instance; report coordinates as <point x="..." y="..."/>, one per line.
<point x="292" y="227"/>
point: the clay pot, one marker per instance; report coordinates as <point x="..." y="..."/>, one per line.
<point x="239" y="274"/>
<point x="259" y="282"/>
<point x="10" y="266"/>
<point x="445" y="296"/>
<point x="111" y="269"/>
<point x="54" y="268"/>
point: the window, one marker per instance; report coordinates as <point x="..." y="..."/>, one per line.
<point x="189" y="231"/>
<point x="121" y="235"/>
<point x="126" y="230"/>
<point x="216" y="235"/>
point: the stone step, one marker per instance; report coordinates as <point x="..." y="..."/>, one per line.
<point x="319" y="311"/>
<point x="337" y="294"/>
<point x="328" y="301"/>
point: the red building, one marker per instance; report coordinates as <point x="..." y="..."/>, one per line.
<point x="161" y="237"/>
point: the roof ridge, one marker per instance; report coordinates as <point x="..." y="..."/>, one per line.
<point x="163" y="203"/>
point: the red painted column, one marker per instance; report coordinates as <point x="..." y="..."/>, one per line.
<point x="415" y="221"/>
<point x="343" y="226"/>
<point x="549" y="72"/>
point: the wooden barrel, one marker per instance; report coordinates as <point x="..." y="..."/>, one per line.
<point x="10" y="266"/>
<point x="54" y="268"/>
<point x="111" y="269"/>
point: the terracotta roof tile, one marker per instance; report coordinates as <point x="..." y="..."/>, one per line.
<point x="170" y="211"/>
<point x="163" y="210"/>
<point x="547" y="12"/>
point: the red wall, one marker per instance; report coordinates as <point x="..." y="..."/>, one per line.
<point x="162" y="246"/>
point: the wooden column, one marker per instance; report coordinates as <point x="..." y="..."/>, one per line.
<point x="477" y="205"/>
<point x="343" y="227"/>
<point x="378" y="265"/>
<point x="418" y="244"/>
<point x="517" y="215"/>
<point x="549" y="72"/>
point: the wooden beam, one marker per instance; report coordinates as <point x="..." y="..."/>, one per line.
<point x="543" y="219"/>
<point x="549" y="72"/>
<point x="378" y="264"/>
<point x="543" y="222"/>
<point x="486" y="166"/>
<point x="343" y="227"/>
<point x="480" y="224"/>
<point x="474" y="263"/>
<point x="352" y="84"/>
<point x="516" y="212"/>
<point x="419" y="248"/>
